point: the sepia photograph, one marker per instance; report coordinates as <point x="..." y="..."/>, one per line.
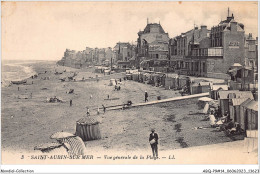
<point x="139" y="82"/>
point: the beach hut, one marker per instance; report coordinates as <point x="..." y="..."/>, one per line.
<point x="223" y="98"/>
<point x="201" y="87"/>
<point x="204" y="87"/>
<point x="182" y="81"/>
<point x="87" y="129"/>
<point x="146" y="77"/>
<point x="215" y="89"/>
<point x="135" y="76"/>
<point x="169" y="83"/>
<point x="155" y="79"/>
<point x="129" y="77"/>
<point x="251" y="117"/>
<point x="242" y="112"/>
<point x="163" y="77"/>
<point x="234" y="109"/>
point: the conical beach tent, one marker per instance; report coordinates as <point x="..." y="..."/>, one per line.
<point x="87" y="129"/>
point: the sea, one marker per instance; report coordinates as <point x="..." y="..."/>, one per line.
<point x="13" y="70"/>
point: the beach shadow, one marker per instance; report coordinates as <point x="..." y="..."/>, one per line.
<point x="182" y="142"/>
<point x="177" y="127"/>
<point x="170" y="117"/>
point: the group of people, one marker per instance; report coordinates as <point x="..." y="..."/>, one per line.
<point x="224" y="123"/>
<point x="98" y="110"/>
<point x="117" y="87"/>
<point x="216" y="119"/>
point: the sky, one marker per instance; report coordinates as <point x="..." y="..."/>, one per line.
<point x="43" y="30"/>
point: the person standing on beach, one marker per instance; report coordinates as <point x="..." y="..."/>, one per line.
<point x="70" y="102"/>
<point x="18" y="88"/>
<point x="145" y="96"/>
<point x="88" y="114"/>
<point x="104" y="108"/>
<point x="153" y="139"/>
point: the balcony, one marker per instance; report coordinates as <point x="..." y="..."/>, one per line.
<point x="204" y="53"/>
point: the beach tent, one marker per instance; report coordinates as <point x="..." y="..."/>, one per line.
<point x="87" y="128"/>
<point x="75" y="145"/>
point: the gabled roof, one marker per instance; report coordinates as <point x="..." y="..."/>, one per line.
<point x="235" y="94"/>
<point x="148" y="28"/>
<point x="253" y="105"/>
<point x="217" y="87"/>
<point x="244" y="94"/>
<point x="238" y="101"/>
<point x="224" y="94"/>
<point x="204" y="83"/>
<point x="246" y="102"/>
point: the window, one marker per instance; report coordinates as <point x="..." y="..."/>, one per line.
<point x="215" y="52"/>
<point x="157" y="56"/>
<point x="251" y="47"/>
<point x="204" y="66"/>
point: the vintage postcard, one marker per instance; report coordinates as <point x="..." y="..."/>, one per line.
<point x="129" y="82"/>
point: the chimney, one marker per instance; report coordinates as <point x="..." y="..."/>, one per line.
<point x="250" y="36"/>
<point x="204" y="31"/>
<point x="203" y="26"/>
<point x="233" y="26"/>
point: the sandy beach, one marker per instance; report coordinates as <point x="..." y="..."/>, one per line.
<point x="29" y="122"/>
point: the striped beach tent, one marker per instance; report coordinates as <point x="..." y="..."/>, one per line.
<point x="87" y="128"/>
<point x="75" y="145"/>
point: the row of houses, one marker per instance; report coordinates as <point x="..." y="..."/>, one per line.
<point x="87" y="57"/>
<point x="199" y="51"/>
